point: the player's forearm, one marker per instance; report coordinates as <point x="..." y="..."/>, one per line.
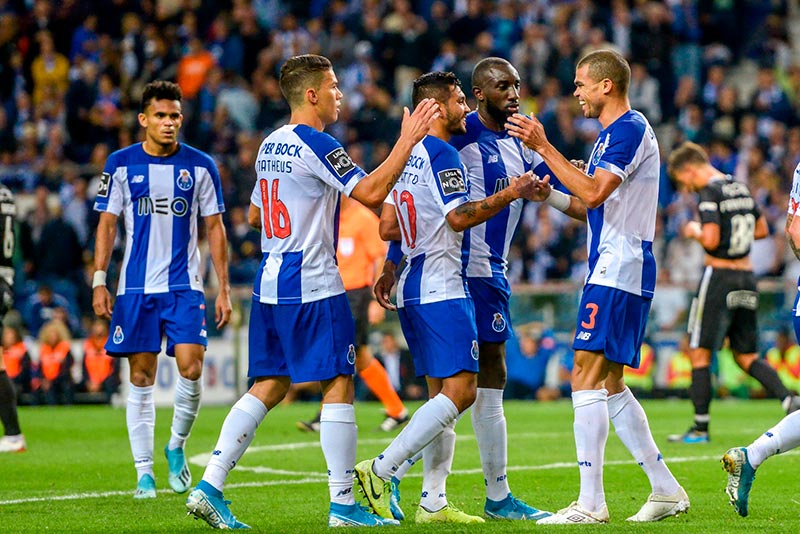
<point x="793" y="235"/>
<point x="476" y="212"/>
<point x="104" y="241"/>
<point x="580" y="184"/>
<point x="218" y="246"/>
<point x="373" y="189"/>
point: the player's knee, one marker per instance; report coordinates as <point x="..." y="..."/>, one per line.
<point x="142" y="378"/>
<point x="193" y="371"/>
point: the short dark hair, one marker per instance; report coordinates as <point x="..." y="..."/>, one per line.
<point x="299" y="73"/>
<point x="160" y="90"/>
<point x="483" y="66"/>
<point x="686" y="153"/>
<point x="608" y="64"/>
<point x="436" y="85"/>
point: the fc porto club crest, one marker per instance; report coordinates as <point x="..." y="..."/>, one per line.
<point x="351" y="354"/>
<point x="119" y="337"/>
<point x="185" y="180"/>
<point x="600" y="149"/>
<point x="474" y="351"/>
<point x="527" y="154"/>
<point x="498" y="322"/>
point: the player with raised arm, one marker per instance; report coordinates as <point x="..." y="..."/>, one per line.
<point x="159" y="187"/>
<point x="428" y="210"/>
<point x="617" y="194"/>
<point x="301" y="328"/>
<point x="741" y="462"/>
<point x="491" y="155"/>
<point x="726" y="304"/>
<point x="12" y="440"/>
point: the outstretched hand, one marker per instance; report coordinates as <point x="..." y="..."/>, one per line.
<point x="383" y="290"/>
<point x="527" y="129"/>
<point x="416" y="125"/>
<point x="522" y="185"/>
<point x="541" y="189"/>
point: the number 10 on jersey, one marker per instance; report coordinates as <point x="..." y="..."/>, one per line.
<point x="275" y="213"/>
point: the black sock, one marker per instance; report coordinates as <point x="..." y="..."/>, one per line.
<point x="761" y="371"/>
<point x="8" y="405"/>
<point x="700" y="393"/>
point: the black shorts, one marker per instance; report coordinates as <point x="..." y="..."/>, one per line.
<point x="359" y="306"/>
<point x="726" y="305"/>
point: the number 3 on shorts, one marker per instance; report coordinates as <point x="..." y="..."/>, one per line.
<point x="592" y="307"/>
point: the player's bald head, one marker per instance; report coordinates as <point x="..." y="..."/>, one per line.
<point x="482" y="73"/>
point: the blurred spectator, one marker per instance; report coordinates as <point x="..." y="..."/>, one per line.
<point x="100" y="372"/>
<point x="399" y="366"/>
<point x="17" y="360"/>
<point x="527" y="359"/>
<point x="245" y="248"/>
<point x="644" y="93"/>
<point x="55" y="363"/>
<point x="679" y="368"/>
<point x="49" y="71"/>
<point x="193" y="68"/>
<point x="640" y="379"/>
<point x="784" y="357"/>
<point x="42" y="307"/>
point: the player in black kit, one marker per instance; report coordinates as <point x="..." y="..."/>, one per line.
<point x="12" y="440"/>
<point x="727" y="299"/>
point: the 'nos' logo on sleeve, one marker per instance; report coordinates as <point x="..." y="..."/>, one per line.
<point x="452" y="181"/>
<point x="340" y="161"/>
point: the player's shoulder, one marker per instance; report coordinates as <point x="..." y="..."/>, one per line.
<point x="632" y="123"/>
<point x="474" y="129"/>
<point x="316" y="140"/>
<point x="125" y="156"/>
<point x="195" y="156"/>
<point x="436" y="147"/>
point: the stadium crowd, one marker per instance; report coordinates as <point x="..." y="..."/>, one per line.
<point x="73" y="73"/>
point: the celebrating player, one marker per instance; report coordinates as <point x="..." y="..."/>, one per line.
<point x="12" y="440"/>
<point x="491" y="155"/>
<point x="428" y="209"/>
<point x="741" y="462"/>
<point x="301" y="328"/>
<point x="727" y="299"/>
<point x="159" y="187"/>
<point x="617" y="195"/>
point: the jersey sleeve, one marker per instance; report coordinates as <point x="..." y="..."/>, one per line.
<point x="210" y="189"/>
<point x="109" y="192"/>
<point x="709" y="206"/>
<point x="450" y="185"/>
<point x="329" y="161"/>
<point x="619" y="150"/>
<point x="794" y="195"/>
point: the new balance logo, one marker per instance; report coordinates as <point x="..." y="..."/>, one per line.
<point x="217" y="452"/>
<point x="137" y="179"/>
<point x="584" y="336"/>
<point x="345" y="491"/>
<point x="493" y="158"/>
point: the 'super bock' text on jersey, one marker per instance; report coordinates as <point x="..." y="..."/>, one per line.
<point x="159" y="199"/>
<point x="8" y="214"/>
<point x="433" y="183"/>
<point x="301" y="173"/>
<point x="729" y="205"/>
<point x="491" y="158"/>
<point x="621" y="230"/>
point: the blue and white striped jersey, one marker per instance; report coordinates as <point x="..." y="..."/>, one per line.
<point x="433" y="183"/>
<point x="159" y="199"/>
<point x="490" y="158"/>
<point x="621" y="230"/>
<point x="300" y="174"/>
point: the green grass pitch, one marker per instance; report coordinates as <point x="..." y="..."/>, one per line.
<point x="77" y="475"/>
